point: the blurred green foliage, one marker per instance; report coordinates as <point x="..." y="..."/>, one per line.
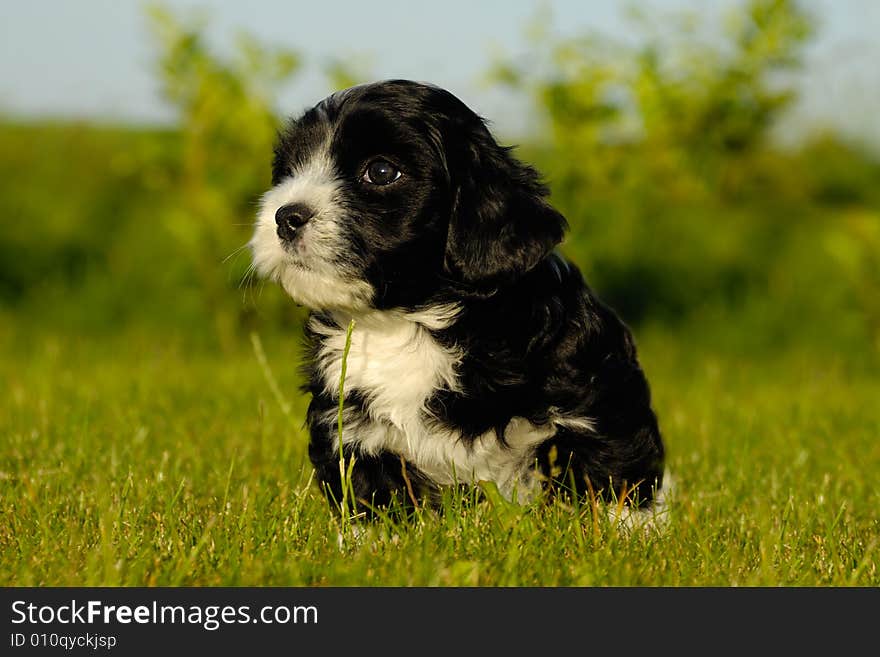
<point x="227" y="130"/>
<point x="686" y="214"/>
<point x="683" y="207"/>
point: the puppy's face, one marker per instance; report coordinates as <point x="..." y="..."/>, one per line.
<point x="385" y="194"/>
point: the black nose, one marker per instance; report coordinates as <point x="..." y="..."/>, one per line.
<point x="290" y="217"/>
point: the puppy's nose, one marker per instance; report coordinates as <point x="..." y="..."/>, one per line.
<point x="290" y="217"/>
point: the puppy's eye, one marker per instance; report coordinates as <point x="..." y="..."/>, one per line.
<point x="381" y="172"/>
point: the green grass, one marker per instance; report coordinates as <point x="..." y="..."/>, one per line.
<point x="139" y="460"/>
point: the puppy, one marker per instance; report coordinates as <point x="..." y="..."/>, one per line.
<point x="478" y="353"/>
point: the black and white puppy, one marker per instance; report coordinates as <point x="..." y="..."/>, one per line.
<point x="478" y="353"/>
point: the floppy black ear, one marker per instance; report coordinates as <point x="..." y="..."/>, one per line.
<point x="501" y="224"/>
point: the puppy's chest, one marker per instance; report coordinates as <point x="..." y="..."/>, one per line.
<point x="396" y="366"/>
<point x="393" y="363"/>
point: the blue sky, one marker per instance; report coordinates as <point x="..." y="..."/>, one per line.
<point x="93" y="58"/>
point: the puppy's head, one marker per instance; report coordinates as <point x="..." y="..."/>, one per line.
<point x="387" y="194"/>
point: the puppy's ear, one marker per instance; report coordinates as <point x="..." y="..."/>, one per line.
<point x="501" y="225"/>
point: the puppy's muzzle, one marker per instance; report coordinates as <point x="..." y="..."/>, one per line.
<point x="289" y="218"/>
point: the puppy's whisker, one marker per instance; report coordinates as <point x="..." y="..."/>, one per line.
<point x="235" y="252"/>
<point x="247" y="276"/>
<point x="246" y="284"/>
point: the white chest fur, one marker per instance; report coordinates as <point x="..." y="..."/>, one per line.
<point x="393" y="362"/>
<point x="396" y="365"/>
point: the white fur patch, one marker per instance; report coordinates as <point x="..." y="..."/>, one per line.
<point x="310" y="270"/>
<point x="393" y="361"/>
<point x="441" y="454"/>
<point x="577" y="423"/>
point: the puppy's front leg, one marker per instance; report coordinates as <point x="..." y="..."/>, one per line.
<point x="378" y="481"/>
